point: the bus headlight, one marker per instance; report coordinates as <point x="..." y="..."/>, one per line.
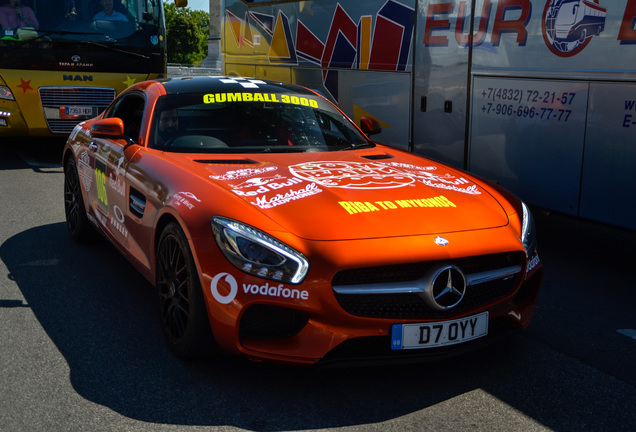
<point x="5" y="93"/>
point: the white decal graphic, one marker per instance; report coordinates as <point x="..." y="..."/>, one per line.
<point x="533" y="263"/>
<point x="264" y="186"/>
<point x="117" y="184"/>
<point x="119" y="170"/>
<point x="352" y="175"/>
<point x="276" y="291"/>
<point x="190" y="195"/>
<point x="258" y="181"/>
<point x="245" y="83"/>
<point x="413" y="167"/>
<point x="118" y="221"/>
<point x="291" y="195"/>
<point x="244" y="173"/>
<point x="378" y="175"/>
<point x="180" y="200"/>
<point x="84" y="170"/>
<point x="228" y="280"/>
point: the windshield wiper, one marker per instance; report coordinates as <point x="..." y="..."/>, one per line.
<point x="356" y="146"/>
<point x="45" y="33"/>
<point x="112" y="48"/>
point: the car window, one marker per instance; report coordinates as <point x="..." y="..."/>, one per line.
<point x="130" y="109"/>
<point x="244" y="122"/>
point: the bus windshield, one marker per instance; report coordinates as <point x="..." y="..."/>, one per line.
<point x="63" y="61"/>
<point x="126" y="23"/>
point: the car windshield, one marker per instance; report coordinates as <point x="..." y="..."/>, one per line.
<point x="252" y="123"/>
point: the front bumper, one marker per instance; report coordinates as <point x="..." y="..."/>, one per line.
<point x="309" y="324"/>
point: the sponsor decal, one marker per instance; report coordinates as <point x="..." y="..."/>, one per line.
<point x="117" y="221"/>
<point x="533" y="263"/>
<point x="259" y="97"/>
<point x="378" y="175"/>
<point x="190" y="195"/>
<point x="244" y="173"/>
<point x="181" y="200"/>
<point x="224" y="289"/>
<point x="352" y="175"/>
<point x="84" y="170"/>
<point x="309" y="179"/>
<point x="116" y="183"/>
<point x="184" y="198"/>
<point x="258" y="181"/>
<point x="354" y="207"/>
<point x="266" y="202"/>
<point x="276" y="291"/>
<point x="100" y="184"/>
<point x="264" y="185"/>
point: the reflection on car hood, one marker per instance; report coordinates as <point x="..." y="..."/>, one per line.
<point x="354" y="195"/>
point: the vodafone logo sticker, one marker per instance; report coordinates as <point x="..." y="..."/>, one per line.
<point x="224" y="288"/>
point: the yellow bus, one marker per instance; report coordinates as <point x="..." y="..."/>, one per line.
<point x="63" y="61"/>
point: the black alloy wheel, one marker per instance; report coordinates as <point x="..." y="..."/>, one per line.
<point x="79" y="227"/>
<point x="183" y="314"/>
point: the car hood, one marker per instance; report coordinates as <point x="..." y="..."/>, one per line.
<point x="353" y="194"/>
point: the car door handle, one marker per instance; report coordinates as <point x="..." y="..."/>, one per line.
<point x="93" y="147"/>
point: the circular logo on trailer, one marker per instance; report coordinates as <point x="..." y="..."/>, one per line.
<point x="445" y="289"/>
<point x="569" y="25"/>
<point x="224" y="288"/>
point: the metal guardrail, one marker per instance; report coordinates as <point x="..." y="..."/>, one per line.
<point x="190" y="70"/>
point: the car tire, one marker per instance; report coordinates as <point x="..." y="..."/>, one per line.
<point x="182" y="310"/>
<point x="79" y="227"/>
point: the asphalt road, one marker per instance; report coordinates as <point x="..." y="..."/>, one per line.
<point x="81" y="349"/>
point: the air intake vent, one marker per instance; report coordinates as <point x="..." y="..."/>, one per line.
<point x="227" y="161"/>
<point x="379" y="156"/>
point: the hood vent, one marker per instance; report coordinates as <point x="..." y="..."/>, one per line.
<point x="378" y="156"/>
<point x="227" y="161"/>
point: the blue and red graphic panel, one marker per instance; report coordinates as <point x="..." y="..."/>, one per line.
<point x="380" y="42"/>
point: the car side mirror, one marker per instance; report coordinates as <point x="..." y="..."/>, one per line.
<point x="112" y="128"/>
<point x="370" y="126"/>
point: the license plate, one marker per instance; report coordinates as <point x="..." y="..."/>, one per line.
<point x="78" y="111"/>
<point x="437" y="334"/>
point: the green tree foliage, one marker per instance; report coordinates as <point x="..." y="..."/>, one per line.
<point x="186" y="33"/>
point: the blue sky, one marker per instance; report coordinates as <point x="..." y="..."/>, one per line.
<point x="203" y="5"/>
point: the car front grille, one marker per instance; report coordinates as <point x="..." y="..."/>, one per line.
<point x="53" y="98"/>
<point x="411" y="305"/>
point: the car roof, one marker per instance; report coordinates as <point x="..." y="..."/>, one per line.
<point x="217" y="84"/>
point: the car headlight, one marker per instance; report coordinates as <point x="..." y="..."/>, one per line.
<point x="258" y="253"/>
<point x="5" y="93"/>
<point x="528" y="230"/>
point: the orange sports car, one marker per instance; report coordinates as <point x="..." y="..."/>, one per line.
<point x="272" y="227"/>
